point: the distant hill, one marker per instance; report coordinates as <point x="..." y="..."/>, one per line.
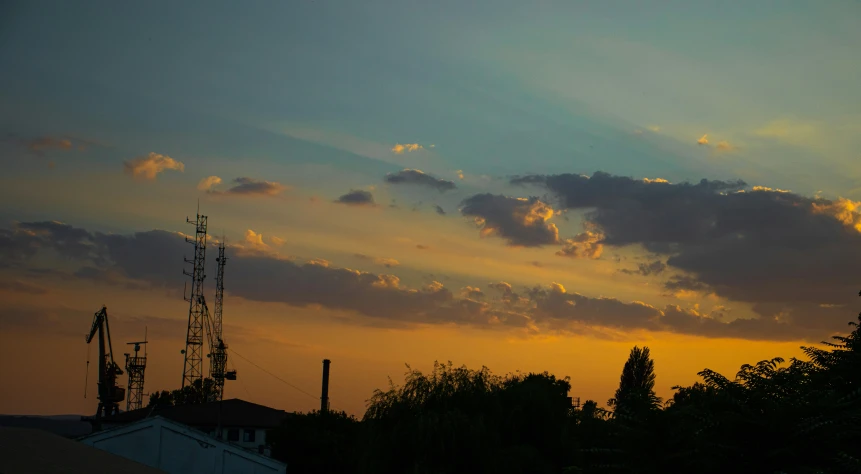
<point x="69" y="426"/>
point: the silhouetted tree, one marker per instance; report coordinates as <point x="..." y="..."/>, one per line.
<point x="198" y="392"/>
<point x="636" y="392"/>
<point x="317" y="442"/>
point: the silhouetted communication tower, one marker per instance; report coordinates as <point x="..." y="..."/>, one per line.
<point x="135" y="367"/>
<point x="193" y="369"/>
<point x="218" y="348"/>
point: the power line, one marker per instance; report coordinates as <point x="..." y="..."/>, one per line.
<point x="232" y="366"/>
<point x="270" y="373"/>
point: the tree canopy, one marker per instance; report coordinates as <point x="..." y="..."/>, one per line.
<point x="772" y="416"/>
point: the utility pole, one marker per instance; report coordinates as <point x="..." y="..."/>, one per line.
<point x="193" y="367"/>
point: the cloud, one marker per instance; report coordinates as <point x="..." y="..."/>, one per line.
<point x="249" y="187"/>
<point x="439" y="210"/>
<point x="704" y="140"/>
<point x="408" y="147"/>
<point x="381" y="261"/>
<point x="153" y="257"/>
<point x="149" y="166"/>
<point x="255" y="240"/>
<point x="782" y="253"/>
<point x="459" y="174"/>
<point x="520" y="221"/>
<point x="276" y="241"/>
<point x="39" y="145"/>
<point x="208" y="183"/>
<point x="654" y="128"/>
<point x="357" y="198"/>
<point x="725" y="146"/>
<point x="418" y="177"/>
<point x="652" y="268"/>
<point x="422" y="247"/>
<point x="18" y="286"/>
<point x="584" y="245"/>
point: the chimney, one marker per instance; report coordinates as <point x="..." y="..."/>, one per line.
<point x="324" y="400"/>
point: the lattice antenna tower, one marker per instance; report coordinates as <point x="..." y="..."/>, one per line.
<point x="218" y="354"/>
<point x="135" y="368"/>
<point x="193" y="368"/>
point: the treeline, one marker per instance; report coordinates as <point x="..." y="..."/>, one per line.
<point x="772" y="417"/>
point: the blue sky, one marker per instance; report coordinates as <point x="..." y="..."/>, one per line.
<point x="313" y="95"/>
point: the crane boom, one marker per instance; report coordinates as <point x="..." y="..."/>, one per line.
<point x="110" y="395"/>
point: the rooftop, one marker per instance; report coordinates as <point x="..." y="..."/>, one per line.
<point x="29" y="451"/>
<point x="233" y="412"/>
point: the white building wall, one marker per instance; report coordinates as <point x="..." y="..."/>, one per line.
<point x="178" y="449"/>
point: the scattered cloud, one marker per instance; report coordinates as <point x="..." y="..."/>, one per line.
<point x="357" y="197"/>
<point x="249" y="187"/>
<point x="276" y="241"/>
<point x="408" y="147"/>
<point x="418" y="177"/>
<point x="208" y="183"/>
<point x="520" y="221"/>
<point x="439" y="210"/>
<point x="654" y="128"/>
<point x="652" y="268"/>
<point x="704" y="140"/>
<point x="152" y="257"/>
<point x="149" y="166"/>
<point x="584" y="245"/>
<point x="782" y="253"/>
<point x="459" y="174"/>
<point x="422" y="247"/>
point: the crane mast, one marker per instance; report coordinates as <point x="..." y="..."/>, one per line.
<point x="110" y="395"/>
<point x="218" y="348"/>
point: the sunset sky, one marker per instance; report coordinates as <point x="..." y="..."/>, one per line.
<point x="526" y="185"/>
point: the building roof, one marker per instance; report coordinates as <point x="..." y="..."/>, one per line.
<point x="167" y="440"/>
<point x="233" y="412"/>
<point x="29" y="451"/>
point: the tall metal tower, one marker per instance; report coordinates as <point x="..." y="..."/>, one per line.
<point x="219" y="291"/>
<point x="193" y="369"/>
<point x="218" y="353"/>
<point x="135" y="367"/>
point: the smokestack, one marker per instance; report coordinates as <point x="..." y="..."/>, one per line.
<point x="324" y="400"/>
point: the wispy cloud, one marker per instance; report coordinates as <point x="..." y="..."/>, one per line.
<point x="147" y="167"/>
<point x="725" y="146"/>
<point x="248" y="187"/>
<point x="704" y="140"/>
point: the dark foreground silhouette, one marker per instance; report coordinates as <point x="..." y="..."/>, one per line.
<point x="800" y="417"/>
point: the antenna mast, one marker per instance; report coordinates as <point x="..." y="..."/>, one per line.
<point x="135" y="367"/>
<point x="193" y="369"/>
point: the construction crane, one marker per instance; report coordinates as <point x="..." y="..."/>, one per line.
<point x="135" y="367"/>
<point x="217" y="353"/>
<point x="110" y="395"/>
